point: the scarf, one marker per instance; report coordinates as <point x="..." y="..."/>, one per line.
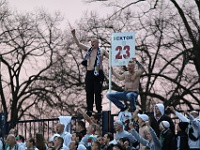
<point x="97" y="61"/>
<point x="89" y="142"/>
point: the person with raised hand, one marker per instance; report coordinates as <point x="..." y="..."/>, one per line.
<point x="158" y="116"/>
<point x="152" y="140"/>
<point x="193" y="128"/>
<point x="131" y="80"/>
<point x="94" y="75"/>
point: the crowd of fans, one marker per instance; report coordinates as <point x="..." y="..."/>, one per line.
<point x="132" y="131"/>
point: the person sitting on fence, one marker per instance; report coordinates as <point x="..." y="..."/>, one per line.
<point x="30" y="144"/>
<point x="130" y="93"/>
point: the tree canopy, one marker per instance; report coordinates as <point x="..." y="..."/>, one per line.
<point x="40" y="67"/>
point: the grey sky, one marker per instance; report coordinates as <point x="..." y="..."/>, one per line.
<point x="71" y="9"/>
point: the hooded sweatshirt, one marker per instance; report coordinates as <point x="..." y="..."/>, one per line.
<point x="194" y="123"/>
<point x="155" y="120"/>
<point x="162" y="111"/>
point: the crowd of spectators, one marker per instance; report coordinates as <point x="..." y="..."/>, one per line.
<point x="132" y="131"/>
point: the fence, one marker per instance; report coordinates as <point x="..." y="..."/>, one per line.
<point x="29" y="128"/>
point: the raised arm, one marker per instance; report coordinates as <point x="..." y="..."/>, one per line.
<point x="140" y="66"/>
<point x="194" y="121"/>
<point x="179" y="115"/>
<point x="134" y="115"/>
<point x="137" y="136"/>
<point x="106" y="54"/>
<point x="119" y="77"/>
<point x="85" y="116"/>
<point x="155" y="139"/>
<point x="80" y="45"/>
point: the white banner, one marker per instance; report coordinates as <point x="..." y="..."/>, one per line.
<point x="123" y="48"/>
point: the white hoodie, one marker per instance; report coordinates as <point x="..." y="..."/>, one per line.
<point x="161" y="107"/>
<point x="195" y="124"/>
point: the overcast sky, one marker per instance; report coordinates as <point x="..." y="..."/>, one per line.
<point x="71" y="9"/>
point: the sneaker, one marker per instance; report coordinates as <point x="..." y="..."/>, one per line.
<point x="125" y="108"/>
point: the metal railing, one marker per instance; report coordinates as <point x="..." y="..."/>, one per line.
<point x="29" y="128"/>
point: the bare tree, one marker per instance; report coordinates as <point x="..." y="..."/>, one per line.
<point x="167" y="43"/>
<point x="29" y="45"/>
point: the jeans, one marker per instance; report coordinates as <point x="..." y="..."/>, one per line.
<point x="115" y="97"/>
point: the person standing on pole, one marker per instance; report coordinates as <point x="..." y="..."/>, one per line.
<point x="130" y="93"/>
<point x="94" y="75"/>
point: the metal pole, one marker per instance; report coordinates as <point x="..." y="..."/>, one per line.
<point x="110" y="75"/>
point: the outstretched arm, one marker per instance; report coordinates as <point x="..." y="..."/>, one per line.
<point x="85" y="116"/>
<point x="156" y="140"/>
<point x="179" y="115"/>
<point x="135" y="113"/>
<point x="140" y="66"/>
<point x="106" y="54"/>
<point x="137" y="136"/>
<point x="194" y="121"/>
<point x="119" y="77"/>
<point x="80" y="45"/>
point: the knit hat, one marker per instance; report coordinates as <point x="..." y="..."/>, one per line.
<point x="183" y="125"/>
<point x="164" y="124"/>
<point x="118" y="123"/>
<point x="144" y="117"/>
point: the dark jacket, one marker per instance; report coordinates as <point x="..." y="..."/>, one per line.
<point x="166" y="138"/>
<point x="180" y="141"/>
<point x="81" y="134"/>
<point x="155" y="124"/>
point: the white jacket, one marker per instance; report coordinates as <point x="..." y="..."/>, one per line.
<point x="193" y="123"/>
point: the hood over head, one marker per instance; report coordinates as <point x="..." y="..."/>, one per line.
<point x="161" y="107"/>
